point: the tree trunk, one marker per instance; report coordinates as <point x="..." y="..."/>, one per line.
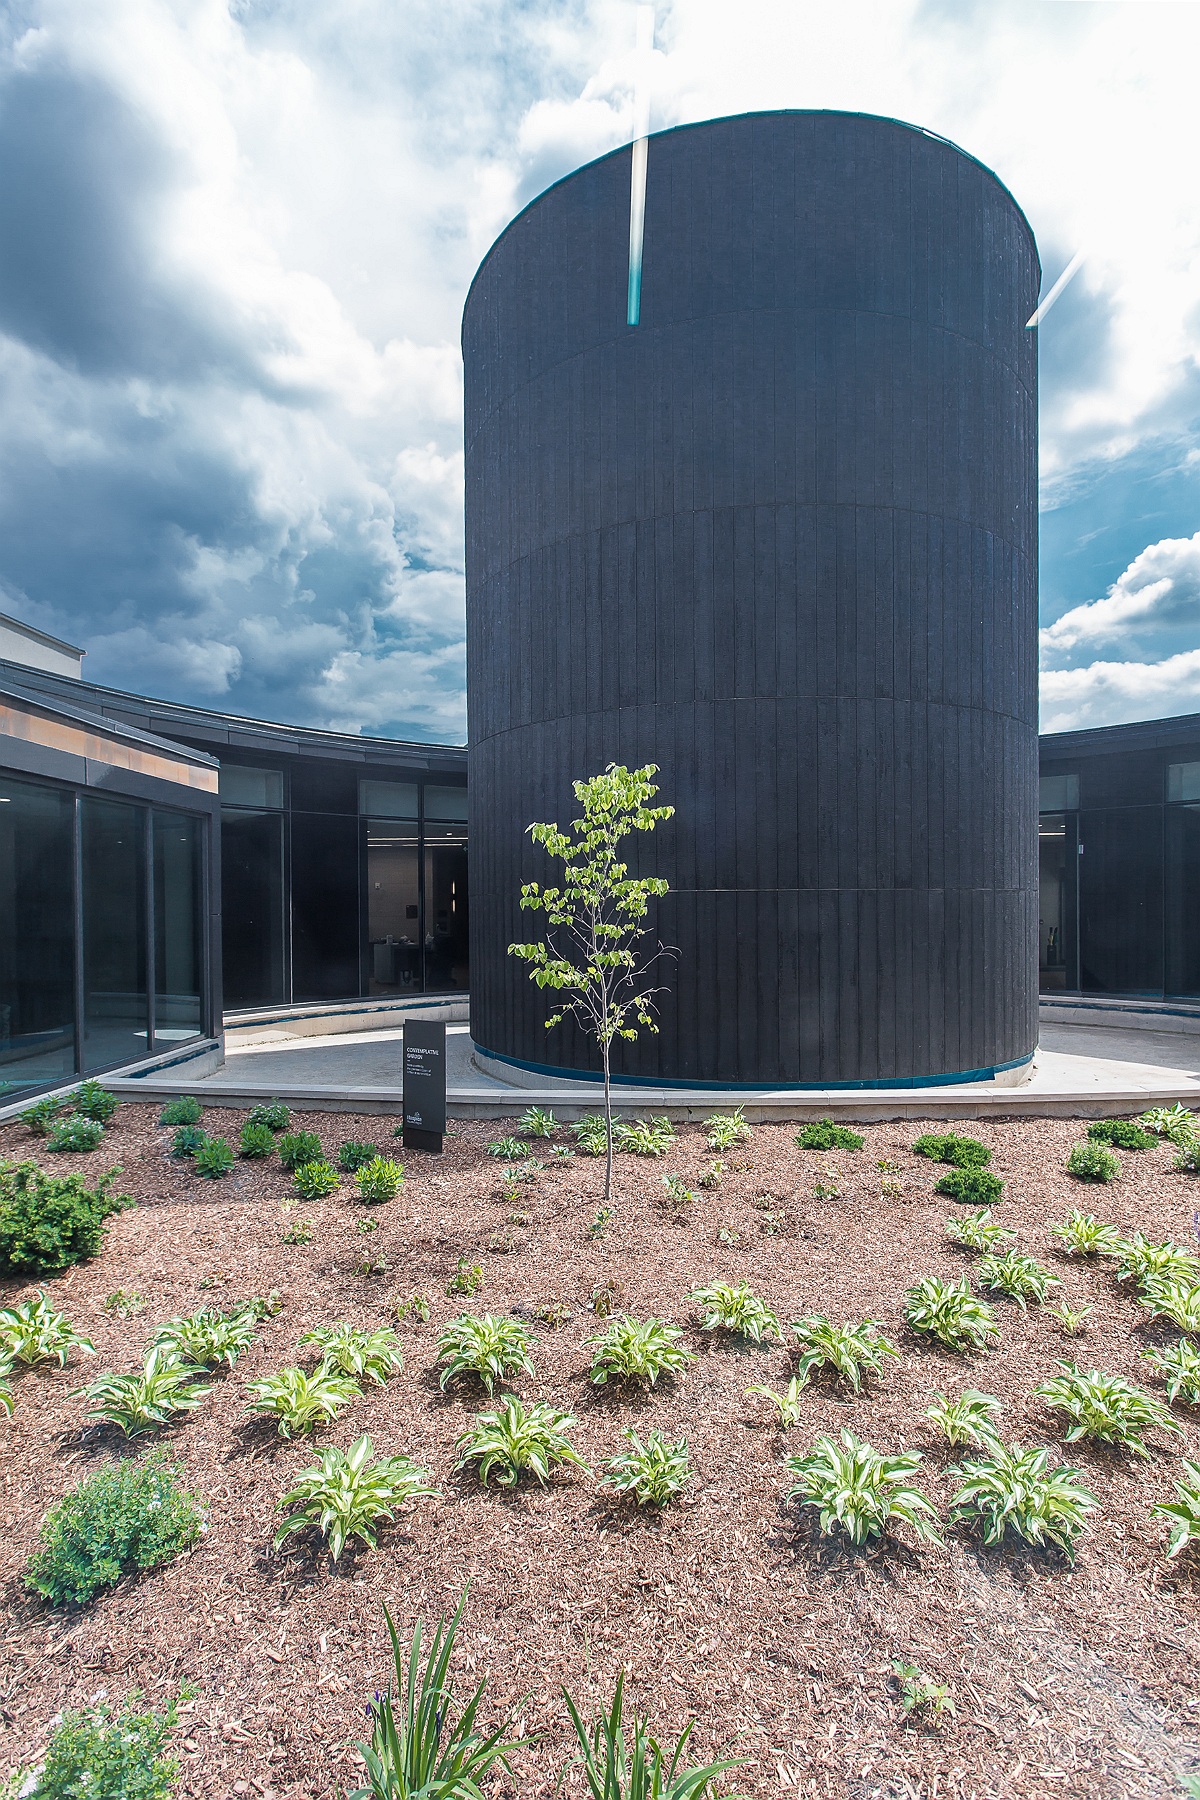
<point x="608" y="1129"/>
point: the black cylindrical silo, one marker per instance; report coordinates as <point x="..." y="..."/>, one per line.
<point x="780" y="538"/>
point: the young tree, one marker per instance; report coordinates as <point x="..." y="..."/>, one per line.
<point x="595" y="922"/>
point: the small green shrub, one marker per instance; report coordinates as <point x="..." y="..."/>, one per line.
<point x="298" y="1400"/>
<point x="1092" y="1162"/>
<point x="1123" y="1134"/>
<point x="39" y="1117"/>
<point x="379" y="1181"/>
<point x="299" y="1147"/>
<point x="188" y="1139"/>
<point x="213" y="1159"/>
<point x="967" y="1420"/>
<point x="129" y="1515"/>
<point x="48" y="1222"/>
<point x="643" y="1137"/>
<point x="971" y="1186"/>
<point x="1020" y="1278"/>
<point x="164" y="1389"/>
<point x="314" y="1180"/>
<point x="1143" y="1260"/>
<point x="1106" y="1407"/>
<point x="724" y="1130"/>
<point x="209" y="1337"/>
<point x="365" y="1355"/>
<point x="1188" y="1160"/>
<point x="184" y="1111"/>
<point x="488" y="1348"/>
<point x="1178" y="1301"/>
<point x="979" y="1232"/>
<point x="1013" y="1489"/>
<point x="653" y="1472"/>
<point x="515" y="1440"/>
<point x="352" y="1155"/>
<point x="466" y="1279"/>
<point x="636" y="1350"/>
<point x="787" y="1404"/>
<point x="1179" y="1366"/>
<point x="857" y="1491"/>
<point x="535" y="1122"/>
<point x="725" y="1307"/>
<point x="32" y="1332"/>
<point x="273" y="1114"/>
<point x="92" y="1101"/>
<point x="1175" y="1123"/>
<point x="591" y="1134"/>
<point x="1183" y="1513"/>
<point x="849" y="1351"/>
<point x="75" y="1135"/>
<point x="346" y="1494"/>
<point x="949" y="1147"/>
<point x="823" y="1134"/>
<point x="951" y="1313"/>
<point x="256" y="1142"/>
<point x="109" y="1755"/>
<point x="617" y="1768"/>
<point x="1083" y="1234"/>
<point x="918" y="1694"/>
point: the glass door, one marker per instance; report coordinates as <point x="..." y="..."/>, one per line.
<point x="1058" y="907"/>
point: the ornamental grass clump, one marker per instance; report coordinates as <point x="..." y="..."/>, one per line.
<point x="725" y="1130"/>
<point x="210" y="1337"/>
<point x="1121" y="1134"/>
<point x="970" y="1419"/>
<point x="951" y="1313"/>
<point x="823" y="1134"/>
<point x="488" y="1349"/>
<point x="1143" y="1261"/>
<point x="76" y="1134"/>
<point x="163" y="1390"/>
<point x="651" y="1473"/>
<point x="315" y="1180"/>
<point x="1013" y="1489"/>
<point x="517" y="1440"/>
<point x="949" y="1147"/>
<point x="979" y="1232"/>
<point x="365" y="1355"/>
<point x="1083" y="1234"/>
<point x="49" y="1222"/>
<point x="847" y="1352"/>
<point x="736" y="1309"/>
<point x="184" y="1111"/>
<point x="1105" y="1407"/>
<point x="379" y="1181"/>
<point x="346" y="1494"/>
<point x="1183" y="1513"/>
<point x="1179" y="1366"/>
<point x="637" y="1351"/>
<point x="273" y="1114"/>
<point x="256" y="1142"/>
<point x="1178" y="1301"/>
<point x="1019" y="1278"/>
<point x="32" y="1332"/>
<point x="352" y="1155"/>
<point x="971" y="1186"/>
<point x="129" y="1515"/>
<point x="856" y="1490"/>
<point x="1092" y="1162"/>
<point x="298" y="1401"/>
<point x="619" y="1768"/>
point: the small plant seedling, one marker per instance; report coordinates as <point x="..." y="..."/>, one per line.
<point x="1092" y="1162"/>
<point x="517" y="1173"/>
<point x="1020" y="1278"/>
<point x="1179" y="1366"/>
<point x="920" y="1695"/>
<point x="379" y="1181"/>
<point x="847" y="1351"/>
<point x="554" y="1313"/>
<point x="591" y="1135"/>
<point x="509" y="1149"/>
<point x="651" y="1473"/>
<point x="466" y="1279"/>
<point x="488" y="1348"/>
<point x="951" y="1313"/>
<point x="1183" y="1513"/>
<point x="520" y="1218"/>
<point x="1122" y="1134"/>
<point x="32" y="1332"/>
<point x="826" y="1186"/>
<point x="298" y="1401"/>
<point x="644" y="1137"/>
<point x="184" y="1111"/>
<point x="890" y="1187"/>
<point x="1106" y="1407"/>
<point x="637" y="1350"/>
<point x="713" y="1176"/>
<point x="724" y="1130"/>
<point x="606" y="1297"/>
<point x="537" y="1122"/>
<point x="124" y="1302"/>
<point x="1175" y="1123"/>
<point x="365" y="1227"/>
<point x="39" y="1117"/>
<point x="949" y="1147"/>
<point x="209" y="1337"/>
<point x="971" y="1186"/>
<point x="297" y="1148"/>
<point x="858" y="1491"/>
<point x="561" y="1152"/>
<point x="1013" y="1489"/>
<point x="1083" y="1234"/>
<point x="599" y="1224"/>
<point x="273" y="1114"/>
<point x="979" y="1232"/>
<point x="256" y="1142"/>
<point x="352" y="1155"/>
<point x="516" y="1439"/>
<point x="300" y="1231"/>
<point x="679" y="1195"/>
<point x="373" y="1265"/>
<point x="263" y="1306"/>
<point x="93" y="1101"/>
<point x="1144" y="1261"/>
<point x="787" y="1404"/>
<point x="1072" y="1319"/>
<point x="163" y="1390"/>
<point x="315" y="1180"/>
<point x="213" y="1159"/>
<point x="76" y="1135"/>
<point x="735" y="1309"/>
<point x="823" y="1134"/>
<point x="127" y="1516"/>
<point x="728" y="1236"/>
<point x="416" y="1306"/>
<point x="346" y="1494"/>
<point x="187" y="1140"/>
<point x="968" y="1420"/>
<point x="365" y="1355"/>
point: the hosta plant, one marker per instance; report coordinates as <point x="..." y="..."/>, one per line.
<point x="787" y="1404"/>
<point x="1183" y="1513"/>
<point x="365" y="1355"/>
<point x="508" y="1149"/>
<point x="1092" y="1162"/>
<point x="164" y="1389"/>
<point x="256" y="1142"/>
<point x="537" y="1122"/>
<point x="1179" y="1366"/>
<point x="423" y="1745"/>
<point x="724" y="1130"/>
<point x="979" y="1232"/>
<point x="77" y="1134"/>
<point x="1178" y="1301"/>
<point x="209" y="1337"/>
<point x="971" y="1186"/>
<point x="618" y="1767"/>
<point x="298" y="1147"/>
<point x="187" y="1140"/>
<point x="591" y="1134"/>
<point x="314" y="1180"/>
<point x="213" y="1159"/>
<point x="637" y="1350"/>
<point x="1143" y="1261"/>
<point x="951" y="1313"/>
<point x="644" y="1137"/>
<point x="6" y="1393"/>
<point x="32" y="1332"/>
<point x="919" y="1694"/>
<point x="379" y="1180"/>
<point x="848" y="1352"/>
<point x="1083" y="1234"/>
<point x="1106" y="1407"/>
<point x="858" y="1491"/>
<point x="823" y="1134"/>
<point x="353" y="1154"/>
<point x="128" y="1515"/>
<point x="725" y="1306"/>
<point x="487" y="1348"/>
<point x="184" y="1111"/>
<point x="1073" y="1320"/>
<point x="970" y="1419"/>
<point x="1013" y="1488"/>
<point x="515" y="1440"/>
<point x="651" y="1473"/>
<point x="1122" y="1133"/>
<point x="1175" y="1123"/>
<point x="298" y="1401"/>
<point x="346" y="1494"/>
<point x="949" y="1147"/>
<point x="272" y="1113"/>
<point x="1019" y="1278"/>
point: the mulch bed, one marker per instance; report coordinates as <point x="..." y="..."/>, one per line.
<point x="729" y="1609"/>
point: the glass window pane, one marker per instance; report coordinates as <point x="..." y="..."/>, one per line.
<point x="1058" y="867"/>
<point x="325" y="928"/>
<point x="37" y="936"/>
<point x="1183" y="900"/>
<point x="114" y="933"/>
<point x="388" y="799"/>
<point x="252" y="922"/>
<point x="178" y="927"/>
<point x="240" y="786"/>
<point x="1183" y="781"/>
<point x="446" y="803"/>
<point x="1058" y="793"/>
<point x="447" y="960"/>
<point x="1121" y="900"/>
<point x="393" y="910"/>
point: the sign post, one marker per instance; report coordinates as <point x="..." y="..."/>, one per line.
<point x="424" y="1085"/>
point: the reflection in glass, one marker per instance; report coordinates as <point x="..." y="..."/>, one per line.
<point x="393" y="908"/>
<point x="447" y="964"/>
<point x="446" y="803"/>
<point x="252" y="927"/>
<point x="37" y="939"/>
<point x="178" y="942"/>
<point x="242" y="786"/>
<point x="115" y="1027"/>
<point x="1183" y="899"/>
<point x="388" y="799"/>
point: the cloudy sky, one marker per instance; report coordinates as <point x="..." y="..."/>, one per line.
<point x="235" y="238"/>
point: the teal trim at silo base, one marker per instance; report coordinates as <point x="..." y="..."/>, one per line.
<point x="557" y="1073"/>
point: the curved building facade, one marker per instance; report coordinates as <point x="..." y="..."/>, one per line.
<point x="779" y="538"/>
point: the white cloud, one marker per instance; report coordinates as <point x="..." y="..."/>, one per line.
<point x="1115" y="693"/>
<point x="1161" y="587"/>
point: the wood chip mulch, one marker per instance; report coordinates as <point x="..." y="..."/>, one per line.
<point x="1078" y="1681"/>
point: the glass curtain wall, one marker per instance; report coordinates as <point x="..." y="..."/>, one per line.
<point x="254" y="936"/>
<point x="178" y="928"/>
<point x="416" y="887"/>
<point x="37" y="936"/>
<point x="116" y="997"/>
<point x="1182" y="898"/>
<point x="447" y="963"/>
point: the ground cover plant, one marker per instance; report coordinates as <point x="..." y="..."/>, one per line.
<point x="856" y="1490"/>
<point x="919" y="1694"/>
<point x="637" y="1351"/>
<point x="1122" y="1134"/>
<point x="184" y="1111"/>
<point x="125" y="1517"/>
<point x="92" y="1100"/>
<point x="823" y="1134"/>
<point x="848" y="1352"/>
<point x="364" y="1354"/>
<point x="732" y="1307"/>
<point x="346" y="1494"/>
<point x="272" y="1113"/>
<point x="297" y="1148"/>
<point x="644" y="1137"/>
<point x="188" y="1139"/>
<point x="1179" y="1366"/>
<point x="1183" y="1513"/>
<point x="39" y="1117"/>
<point x="379" y="1180"/>
<point x="353" y="1154"/>
<point x="724" y="1131"/>
<point x="1014" y="1489"/>
<point x="951" y="1313"/>
<point x="651" y="1473"/>
<point x="107" y="1754"/>
<point x="1083" y="1234"/>
<point x="314" y="1180"/>
<point x="1106" y="1407"/>
<point x="76" y="1134"/>
<point x="949" y="1147"/>
<point x="538" y="1122"/>
<point x="489" y="1349"/>
<point x="256" y="1142"/>
<point x="969" y="1419"/>
<point x="213" y="1158"/>
<point x="162" y="1390"/>
<point x="210" y="1337"/>
<point x="1143" y="1261"/>
<point x="971" y="1186"/>
<point x="1092" y="1162"/>
<point x="1178" y="1301"/>
<point x="1175" y="1123"/>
